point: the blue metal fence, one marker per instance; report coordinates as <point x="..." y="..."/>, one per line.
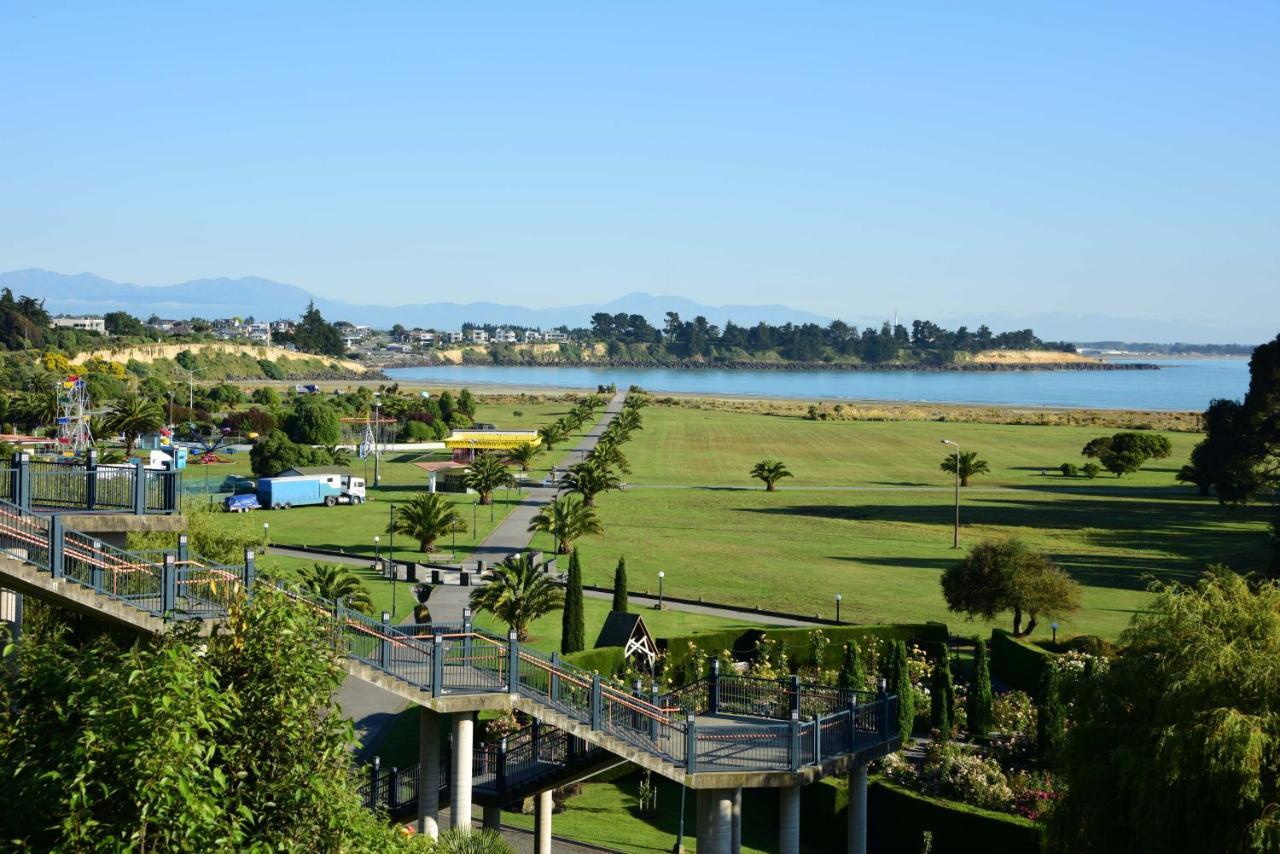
<point x="87" y="486"/>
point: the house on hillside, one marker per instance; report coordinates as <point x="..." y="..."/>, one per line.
<point x="627" y="630"/>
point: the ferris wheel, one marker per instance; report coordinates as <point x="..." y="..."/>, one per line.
<point x="74" y="437"/>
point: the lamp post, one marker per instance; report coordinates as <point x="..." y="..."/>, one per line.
<point x="391" y="553"/>
<point x="377" y="436"/>
<point x="1054" y="626"/>
<point x="266" y="538"/>
<point x="377" y="562"/>
<point x="955" y="539"/>
<point x="838" y="598"/>
<point x="475" y="510"/>
<point x="661" y="575"/>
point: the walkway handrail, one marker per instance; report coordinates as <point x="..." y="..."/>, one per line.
<point x="87" y="486"/>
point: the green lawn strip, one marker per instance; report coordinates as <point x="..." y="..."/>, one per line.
<point x="379" y="588"/>
<point x="688" y="446"/>
<point x="545" y="632"/>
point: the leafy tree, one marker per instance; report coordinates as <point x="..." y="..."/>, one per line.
<point x="853" y="674"/>
<point x="224" y="743"/>
<point x="339" y="455"/>
<point x="1051" y="717"/>
<point x="769" y="472"/>
<point x="942" y="695"/>
<point x="467" y="403"/>
<point x="519" y="593"/>
<point x="274" y="453"/>
<point x="1196" y="473"/>
<point x="485" y="474"/>
<point x="427" y="517"/>
<point x="1173" y="747"/>
<point x="266" y="396"/>
<point x="978" y="701"/>
<point x="620" y="585"/>
<point x="1004" y="575"/>
<point x="524" y="455"/>
<point x="1091" y="470"/>
<point x="313" y="422"/>
<point x="588" y="479"/>
<point x="567" y="520"/>
<point x="572" y="628"/>
<point x="335" y="582"/>
<point x="313" y="334"/>
<point x="969" y="465"/>
<point x="133" y="415"/>
<point x="122" y="323"/>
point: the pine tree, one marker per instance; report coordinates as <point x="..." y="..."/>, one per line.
<point x="853" y="675"/>
<point x="620" y="585"/>
<point x="898" y="676"/>
<point x="572" y="631"/>
<point x="978" y="702"/>
<point x="1051" y="729"/>
<point x="942" y="696"/>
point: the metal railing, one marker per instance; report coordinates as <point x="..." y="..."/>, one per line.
<point x="750" y="723"/>
<point x="87" y="486"/>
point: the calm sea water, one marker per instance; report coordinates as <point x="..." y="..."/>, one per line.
<point x="1180" y="384"/>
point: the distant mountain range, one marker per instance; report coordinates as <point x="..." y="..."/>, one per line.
<point x="85" y="293"/>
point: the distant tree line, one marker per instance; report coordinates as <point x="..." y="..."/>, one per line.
<point x="809" y="342"/>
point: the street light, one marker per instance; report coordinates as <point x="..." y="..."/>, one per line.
<point x="391" y="553"/>
<point x="1054" y="626"/>
<point x="266" y="540"/>
<point x="376" y="562"/>
<point x="661" y="575"/>
<point x="955" y="540"/>
<point x="838" y="598"/>
<point x="377" y="437"/>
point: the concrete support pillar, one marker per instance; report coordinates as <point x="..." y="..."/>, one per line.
<point x="704" y="820"/>
<point x="722" y="821"/>
<point x="492" y="817"/>
<point x="858" y="810"/>
<point x="542" y="806"/>
<point x="464" y="728"/>
<point x="789" y="820"/>
<point x="428" y="773"/>
<point x="735" y="836"/>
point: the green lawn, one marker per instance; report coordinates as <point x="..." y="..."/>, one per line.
<point x="869" y="515"/>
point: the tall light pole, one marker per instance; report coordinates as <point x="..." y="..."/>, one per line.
<point x="377" y="439"/>
<point x="266" y="540"/>
<point x="391" y="553"/>
<point x="191" y="393"/>
<point x="955" y="539"/>
<point x="661" y="575"/>
<point x="377" y="562"/>
<point x="838" y="598"/>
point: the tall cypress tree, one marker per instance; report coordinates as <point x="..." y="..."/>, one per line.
<point x="898" y="675"/>
<point x="853" y="675"/>
<point x="978" y="701"/>
<point x="620" y="585"/>
<point x="942" y="695"/>
<point x="1051" y="723"/>
<point x="572" y="631"/>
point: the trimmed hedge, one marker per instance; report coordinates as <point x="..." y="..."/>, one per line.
<point x="897" y="818"/>
<point x="1018" y="663"/>
<point x="796" y="641"/>
<point x="607" y="660"/>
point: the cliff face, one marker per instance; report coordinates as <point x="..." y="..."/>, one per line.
<point x="148" y="353"/>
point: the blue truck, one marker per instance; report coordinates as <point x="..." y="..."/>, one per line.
<point x="282" y="493"/>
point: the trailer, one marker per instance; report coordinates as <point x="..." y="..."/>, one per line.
<point x="282" y="493"/>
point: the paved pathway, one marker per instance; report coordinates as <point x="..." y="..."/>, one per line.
<point x="371" y="708"/>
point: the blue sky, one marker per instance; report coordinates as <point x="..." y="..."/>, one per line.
<point x="838" y="157"/>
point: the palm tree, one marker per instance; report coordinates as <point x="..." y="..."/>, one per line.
<point x="608" y="454"/>
<point x="589" y="478"/>
<point x="566" y="519"/>
<point x="134" y="415"/>
<point x="332" y="583"/>
<point x="341" y="456"/>
<point x="770" y="471"/>
<point x="427" y="517"/>
<point x="970" y="465"/>
<point x="628" y="421"/>
<point x="552" y="435"/>
<point x="486" y="474"/>
<point x="524" y="455"/>
<point x="518" y="594"/>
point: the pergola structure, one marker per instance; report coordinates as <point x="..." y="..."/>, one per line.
<point x="465" y="444"/>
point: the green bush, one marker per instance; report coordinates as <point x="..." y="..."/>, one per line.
<point x="607" y="660"/>
<point x="1091" y="470"/>
<point x="1069" y="469"/>
<point x="898" y="817"/>
<point x="1019" y="663"/>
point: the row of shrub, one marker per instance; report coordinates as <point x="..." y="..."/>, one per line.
<point x="606" y="660"/>
<point x="1019" y="663"/>
<point x="796" y="642"/>
<point x="899" y="819"/>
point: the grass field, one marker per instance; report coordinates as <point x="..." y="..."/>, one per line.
<point x="869" y="515"/>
